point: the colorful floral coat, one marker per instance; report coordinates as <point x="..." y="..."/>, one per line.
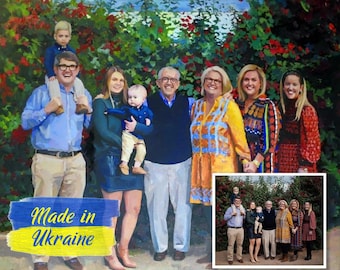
<point x="262" y="123"/>
<point x="217" y="138"/>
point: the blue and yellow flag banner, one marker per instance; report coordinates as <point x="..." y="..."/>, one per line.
<point x="62" y="226"/>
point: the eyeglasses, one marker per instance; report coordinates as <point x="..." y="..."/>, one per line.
<point x="166" y="80"/>
<point x="64" y="67"/>
<point x="211" y="80"/>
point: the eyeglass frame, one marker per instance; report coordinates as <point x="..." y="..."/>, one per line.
<point x="211" y="80"/>
<point x="64" y="67"/>
<point x="167" y="79"/>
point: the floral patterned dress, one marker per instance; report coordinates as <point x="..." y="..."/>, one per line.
<point x="296" y="240"/>
<point x="299" y="141"/>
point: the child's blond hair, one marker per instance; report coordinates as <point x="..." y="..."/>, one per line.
<point x="62" y="25"/>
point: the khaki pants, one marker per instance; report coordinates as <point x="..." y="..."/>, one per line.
<point x="129" y="142"/>
<point x="235" y="235"/>
<point x="58" y="177"/>
<point x="268" y="238"/>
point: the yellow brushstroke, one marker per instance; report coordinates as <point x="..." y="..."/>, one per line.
<point x="68" y="241"/>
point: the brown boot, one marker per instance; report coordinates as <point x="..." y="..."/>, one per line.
<point x="285" y="258"/>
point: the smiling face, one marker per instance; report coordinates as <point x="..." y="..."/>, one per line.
<point x="282" y="205"/>
<point x="213" y="84"/>
<point x="252" y="205"/>
<point x="116" y="82"/>
<point x="251" y="84"/>
<point x="294" y="205"/>
<point x="66" y="77"/>
<point x="168" y="83"/>
<point x="62" y="37"/>
<point x="292" y="86"/>
<point x="268" y="205"/>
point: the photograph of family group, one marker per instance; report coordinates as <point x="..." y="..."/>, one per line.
<point x="269" y="221"/>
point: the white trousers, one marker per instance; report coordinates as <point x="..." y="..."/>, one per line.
<point x="163" y="182"/>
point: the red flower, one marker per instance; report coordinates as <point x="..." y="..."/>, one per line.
<point x="332" y="27"/>
<point x="254" y="37"/>
<point x="80" y="12"/>
<point x="185" y="59"/>
<point x="160" y="30"/>
<point x="2" y="42"/>
<point x="24" y="62"/>
<point x="16" y="69"/>
<point x="246" y="15"/>
<point x="226" y="45"/>
<point x="21" y="86"/>
<point x="191" y="27"/>
<point x="275" y="47"/>
<point x="261" y="55"/>
<point x="290" y="46"/>
<point x="19" y="135"/>
<point x="208" y="63"/>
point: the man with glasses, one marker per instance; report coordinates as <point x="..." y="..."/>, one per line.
<point x="168" y="165"/>
<point x="58" y="167"/>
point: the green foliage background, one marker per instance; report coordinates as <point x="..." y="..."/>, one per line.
<point x="276" y="35"/>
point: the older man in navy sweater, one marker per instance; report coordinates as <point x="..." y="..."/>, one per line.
<point x="268" y="231"/>
<point x="168" y="165"/>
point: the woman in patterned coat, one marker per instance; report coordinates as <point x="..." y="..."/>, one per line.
<point x="217" y="134"/>
<point x="284" y="225"/>
<point x="217" y="137"/>
<point x="299" y="141"/>
<point x="262" y="119"/>
<point x="308" y="229"/>
<point x="296" y="237"/>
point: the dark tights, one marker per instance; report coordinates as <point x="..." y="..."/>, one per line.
<point x="309" y="248"/>
<point x="284" y="248"/>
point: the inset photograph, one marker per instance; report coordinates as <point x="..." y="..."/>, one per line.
<point x="269" y="221"/>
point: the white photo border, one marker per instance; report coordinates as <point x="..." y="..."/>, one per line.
<point x="324" y="221"/>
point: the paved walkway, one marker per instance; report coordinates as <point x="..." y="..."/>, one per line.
<point x="10" y="260"/>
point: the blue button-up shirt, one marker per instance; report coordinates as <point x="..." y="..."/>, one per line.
<point x="234" y="221"/>
<point x="54" y="132"/>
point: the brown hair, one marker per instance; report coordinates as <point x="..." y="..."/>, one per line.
<point x="301" y="100"/>
<point x="108" y="74"/>
<point x="67" y="55"/>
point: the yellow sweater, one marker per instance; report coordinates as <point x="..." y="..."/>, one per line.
<point x="217" y="138"/>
